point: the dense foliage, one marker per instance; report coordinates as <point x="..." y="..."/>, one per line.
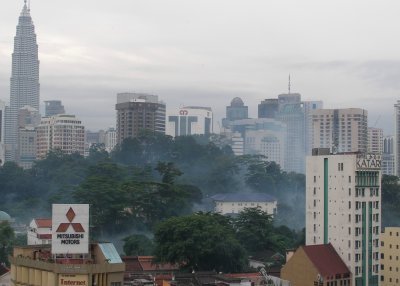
<point x="201" y="241"/>
<point x="145" y="180"/>
<point x="209" y="241"/>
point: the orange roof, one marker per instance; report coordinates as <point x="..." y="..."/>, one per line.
<point x="43" y="222"/>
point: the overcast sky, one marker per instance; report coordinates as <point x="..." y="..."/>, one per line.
<point x="206" y="52"/>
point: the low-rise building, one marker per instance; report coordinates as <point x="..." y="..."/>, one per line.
<point x="39" y="231"/>
<point x="390" y="253"/>
<point x="318" y="265"/>
<point x="235" y="203"/>
<point x="36" y="265"/>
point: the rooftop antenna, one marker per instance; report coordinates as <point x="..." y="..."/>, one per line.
<point x="289" y="84"/>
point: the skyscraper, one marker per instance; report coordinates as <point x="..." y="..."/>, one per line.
<point x="236" y="111"/>
<point x="24" y="84"/>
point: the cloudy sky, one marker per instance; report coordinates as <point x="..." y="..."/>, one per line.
<point x="205" y="52"/>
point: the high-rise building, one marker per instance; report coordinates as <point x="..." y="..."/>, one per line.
<point x="292" y="114"/>
<point x="343" y="207"/>
<point x="137" y="112"/>
<point x="53" y="107"/>
<point x="268" y="108"/>
<point x="110" y="139"/>
<point x="190" y="120"/>
<point x="236" y="111"/>
<point x="2" y="131"/>
<point x="388" y="165"/>
<point x="396" y="145"/>
<point x="309" y="107"/>
<point x="340" y="130"/>
<point x="60" y="132"/>
<point x="24" y="84"/>
<point x="28" y="120"/>
<point x="263" y="136"/>
<point x="375" y="140"/>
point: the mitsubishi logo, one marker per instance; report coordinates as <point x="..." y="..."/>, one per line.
<point x="63" y="227"/>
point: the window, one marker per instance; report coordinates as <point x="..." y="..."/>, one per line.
<point x="349" y="179"/>
<point x="349" y="206"/>
<point x="315" y="179"/>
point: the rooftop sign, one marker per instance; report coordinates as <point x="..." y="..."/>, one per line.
<point x="70" y="229"/>
<point x="369" y="161"/>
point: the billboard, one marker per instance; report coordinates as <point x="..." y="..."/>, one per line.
<point x="70" y="229"/>
<point x="68" y="279"/>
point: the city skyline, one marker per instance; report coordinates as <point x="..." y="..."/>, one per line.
<point x="207" y="53"/>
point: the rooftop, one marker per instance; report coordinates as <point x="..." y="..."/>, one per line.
<point x="326" y="259"/>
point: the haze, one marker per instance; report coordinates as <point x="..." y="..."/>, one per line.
<point x="345" y="53"/>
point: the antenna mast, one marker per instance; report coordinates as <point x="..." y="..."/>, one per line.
<point x="289" y="84"/>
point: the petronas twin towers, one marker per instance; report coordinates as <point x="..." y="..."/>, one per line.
<point x="24" y="83"/>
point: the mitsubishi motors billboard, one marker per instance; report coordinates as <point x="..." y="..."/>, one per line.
<point x="70" y="229"/>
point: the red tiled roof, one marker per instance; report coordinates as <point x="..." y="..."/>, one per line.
<point x="43" y="222"/>
<point x="44" y="236"/>
<point x="147" y="264"/>
<point x="326" y="259"/>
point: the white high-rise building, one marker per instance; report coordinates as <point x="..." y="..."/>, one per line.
<point x="190" y="120"/>
<point x="343" y="207"/>
<point x="60" y="132"/>
<point x="110" y="139"/>
<point x="25" y="87"/>
<point x="340" y="130"/>
<point x="375" y="140"/>
<point x="309" y="107"/>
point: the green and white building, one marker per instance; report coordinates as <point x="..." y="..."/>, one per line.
<point x="343" y="207"/>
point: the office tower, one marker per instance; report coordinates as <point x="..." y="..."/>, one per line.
<point x="28" y="120"/>
<point x="375" y="140"/>
<point x="309" y="107"/>
<point x="53" y="107"/>
<point x="343" y="207"/>
<point x="137" y="112"/>
<point x="291" y="113"/>
<point x="396" y="145"/>
<point x="2" y="131"/>
<point x="236" y="111"/>
<point x="24" y="84"/>
<point x="390" y="253"/>
<point x="190" y="120"/>
<point x="60" y="132"/>
<point x="268" y="108"/>
<point x="341" y="130"/>
<point x="263" y="136"/>
<point x="388" y="166"/>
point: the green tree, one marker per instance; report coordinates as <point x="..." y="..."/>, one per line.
<point x="255" y="230"/>
<point x="6" y="241"/>
<point x="200" y="241"/>
<point x="138" y="244"/>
